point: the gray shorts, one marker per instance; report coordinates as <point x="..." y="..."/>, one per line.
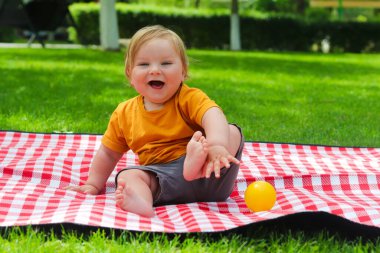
<point x="174" y="189"/>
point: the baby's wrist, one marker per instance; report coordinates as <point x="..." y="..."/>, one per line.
<point x="211" y="145"/>
<point x="217" y="142"/>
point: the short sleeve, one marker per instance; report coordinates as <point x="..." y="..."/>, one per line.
<point x="194" y="103"/>
<point x="114" y="138"/>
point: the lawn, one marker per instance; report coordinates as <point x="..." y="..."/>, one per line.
<point x="275" y="97"/>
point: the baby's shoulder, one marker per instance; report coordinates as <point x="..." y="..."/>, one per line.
<point x="190" y="92"/>
<point x="127" y="104"/>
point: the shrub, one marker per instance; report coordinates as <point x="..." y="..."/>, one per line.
<point x="201" y="28"/>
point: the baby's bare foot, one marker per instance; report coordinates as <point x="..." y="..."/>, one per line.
<point x="130" y="201"/>
<point x="196" y="154"/>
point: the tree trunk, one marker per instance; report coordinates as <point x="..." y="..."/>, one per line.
<point x="301" y="6"/>
<point x="197" y="3"/>
<point x="109" y="33"/>
<point x="235" y="43"/>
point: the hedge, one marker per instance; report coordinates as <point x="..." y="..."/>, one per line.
<point x="210" y="29"/>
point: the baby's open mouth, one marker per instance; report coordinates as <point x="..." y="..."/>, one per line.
<point x="156" y="84"/>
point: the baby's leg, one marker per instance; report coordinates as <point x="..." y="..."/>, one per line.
<point x="196" y="154"/>
<point x="135" y="191"/>
<point x="235" y="140"/>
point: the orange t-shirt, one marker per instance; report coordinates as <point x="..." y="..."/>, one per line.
<point x="158" y="136"/>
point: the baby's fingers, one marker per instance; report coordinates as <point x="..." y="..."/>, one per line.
<point x="209" y="169"/>
<point x="81" y="189"/>
<point x="74" y="188"/>
<point x="213" y="166"/>
<point x="225" y="162"/>
<point x="71" y="188"/>
<point x="217" y="168"/>
<point x="232" y="159"/>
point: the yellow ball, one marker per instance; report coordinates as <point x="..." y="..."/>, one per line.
<point x="260" y="196"/>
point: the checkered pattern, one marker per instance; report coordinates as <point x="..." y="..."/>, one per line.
<point x="35" y="168"/>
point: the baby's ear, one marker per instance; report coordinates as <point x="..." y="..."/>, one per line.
<point x="127" y="73"/>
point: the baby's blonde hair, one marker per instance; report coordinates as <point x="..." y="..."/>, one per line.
<point x="149" y="33"/>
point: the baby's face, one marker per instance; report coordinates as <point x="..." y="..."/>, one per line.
<point x="157" y="72"/>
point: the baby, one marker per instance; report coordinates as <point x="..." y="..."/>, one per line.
<point x="187" y="150"/>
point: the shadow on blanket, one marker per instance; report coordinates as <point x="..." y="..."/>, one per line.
<point x="309" y="224"/>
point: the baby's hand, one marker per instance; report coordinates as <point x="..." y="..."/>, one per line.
<point x="86" y="188"/>
<point x="218" y="157"/>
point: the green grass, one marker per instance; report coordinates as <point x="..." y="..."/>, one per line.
<point x="32" y="240"/>
<point x="275" y="97"/>
<point x="303" y="98"/>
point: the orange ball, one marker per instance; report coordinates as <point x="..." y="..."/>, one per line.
<point x="260" y="196"/>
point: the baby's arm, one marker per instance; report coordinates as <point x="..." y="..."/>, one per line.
<point x="102" y="166"/>
<point x="217" y="132"/>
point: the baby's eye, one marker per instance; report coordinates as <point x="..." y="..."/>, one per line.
<point x="142" y="64"/>
<point x="166" y="63"/>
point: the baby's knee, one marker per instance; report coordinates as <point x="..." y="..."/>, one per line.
<point x="235" y="139"/>
<point x="235" y="132"/>
<point x="133" y="175"/>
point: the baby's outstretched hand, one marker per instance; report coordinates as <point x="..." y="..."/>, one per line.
<point x="86" y="188"/>
<point x="218" y="157"/>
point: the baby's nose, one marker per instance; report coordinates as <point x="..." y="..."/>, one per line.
<point x="154" y="69"/>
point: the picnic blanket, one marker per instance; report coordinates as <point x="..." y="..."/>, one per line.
<point x="35" y="168"/>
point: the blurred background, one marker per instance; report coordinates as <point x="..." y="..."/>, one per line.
<point x="269" y="25"/>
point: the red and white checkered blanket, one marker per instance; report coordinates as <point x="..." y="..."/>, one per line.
<point x="35" y="168"/>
